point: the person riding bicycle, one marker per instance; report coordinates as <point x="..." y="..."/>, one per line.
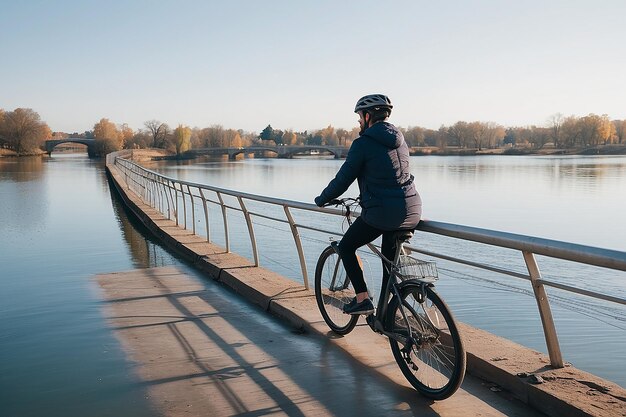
<point x="379" y="160"/>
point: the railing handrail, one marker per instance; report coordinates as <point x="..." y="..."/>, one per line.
<point x="528" y="245"/>
<point x="591" y="255"/>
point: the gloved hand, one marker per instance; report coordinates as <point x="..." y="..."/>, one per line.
<point x="318" y="201"/>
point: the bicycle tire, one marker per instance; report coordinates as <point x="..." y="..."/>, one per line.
<point x="437" y="363"/>
<point x="332" y="291"/>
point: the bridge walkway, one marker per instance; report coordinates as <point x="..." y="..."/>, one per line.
<point x="566" y="392"/>
<point x="203" y="350"/>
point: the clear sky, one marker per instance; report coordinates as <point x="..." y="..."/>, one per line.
<point x="302" y="65"/>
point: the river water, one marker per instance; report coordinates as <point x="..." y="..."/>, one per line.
<point x="61" y="224"/>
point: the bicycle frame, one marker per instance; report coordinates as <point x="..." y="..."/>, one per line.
<point x="376" y="321"/>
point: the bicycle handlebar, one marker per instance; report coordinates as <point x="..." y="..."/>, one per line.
<point x="346" y="202"/>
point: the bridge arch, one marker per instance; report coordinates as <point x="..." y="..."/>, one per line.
<point x="253" y="149"/>
<point x="90" y="143"/>
<point x="291" y="151"/>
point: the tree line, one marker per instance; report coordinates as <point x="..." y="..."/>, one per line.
<point x="561" y="132"/>
<point x="23" y="132"/>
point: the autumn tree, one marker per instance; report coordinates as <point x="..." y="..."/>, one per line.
<point x="344" y="137"/>
<point x="126" y="132"/>
<point x="159" y="132"/>
<point x="140" y="139"/>
<point x="108" y="137"/>
<point x="289" y="137"/>
<point x="431" y="137"/>
<point x="570" y="129"/>
<point x="237" y="140"/>
<point x="182" y="139"/>
<point x="414" y="136"/>
<point x="441" y="137"/>
<point x="595" y="130"/>
<point x="476" y="133"/>
<point x="22" y="130"/>
<point x="620" y="130"/>
<point x="459" y="134"/>
<point x="232" y="139"/>
<point x="211" y="137"/>
<point x="326" y="136"/>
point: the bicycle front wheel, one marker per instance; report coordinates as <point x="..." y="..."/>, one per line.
<point x="433" y="359"/>
<point x="333" y="290"/>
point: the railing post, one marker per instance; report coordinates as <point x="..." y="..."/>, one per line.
<point x="296" y="238"/>
<point x="153" y="192"/>
<point x="165" y="186"/>
<point x="549" y="331"/>
<point x="193" y="211"/>
<point x="170" y="185"/>
<point x="182" y="193"/>
<point x="223" y="206"/>
<point x="246" y="214"/>
<point x="206" y="215"/>
<point x="176" y="202"/>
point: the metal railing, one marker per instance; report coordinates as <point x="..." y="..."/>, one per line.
<point x="170" y="196"/>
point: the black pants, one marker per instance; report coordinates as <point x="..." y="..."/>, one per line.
<point x="359" y="234"/>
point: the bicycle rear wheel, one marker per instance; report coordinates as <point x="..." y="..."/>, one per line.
<point x="433" y="360"/>
<point x="332" y="291"/>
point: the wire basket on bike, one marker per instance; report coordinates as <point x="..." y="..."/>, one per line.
<point x="411" y="268"/>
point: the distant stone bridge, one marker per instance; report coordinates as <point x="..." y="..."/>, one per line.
<point x="288" y="151"/>
<point x="91" y="150"/>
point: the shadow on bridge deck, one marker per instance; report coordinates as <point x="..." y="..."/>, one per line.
<point x="202" y="350"/>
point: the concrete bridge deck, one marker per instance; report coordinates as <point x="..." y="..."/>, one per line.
<point x="202" y="350"/>
<point x="566" y="392"/>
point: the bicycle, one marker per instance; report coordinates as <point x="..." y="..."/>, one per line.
<point x="422" y="332"/>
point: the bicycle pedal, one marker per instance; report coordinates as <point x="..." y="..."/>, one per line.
<point x="374" y="324"/>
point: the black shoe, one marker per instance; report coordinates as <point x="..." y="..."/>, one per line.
<point x="353" y="302"/>
<point x="364" y="307"/>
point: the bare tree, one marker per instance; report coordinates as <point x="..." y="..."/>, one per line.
<point x="458" y="134"/>
<point x="494" y="134"/>
<point x="477" y="132"/>
<point x="158" y="131"/>
<point x="554" y="123"/>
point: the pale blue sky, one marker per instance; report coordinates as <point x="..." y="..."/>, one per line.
<point x="302" y="65"/>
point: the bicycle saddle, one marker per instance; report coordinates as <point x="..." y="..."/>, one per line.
<point x="403" y="235"/>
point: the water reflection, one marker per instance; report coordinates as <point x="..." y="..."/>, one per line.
<point x="577" y="172"/>
<point x="144" y="251"/>
<point x="23" y="194"/>
<point x="22" y="169"/>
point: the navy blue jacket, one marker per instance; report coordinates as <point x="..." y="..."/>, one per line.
<point x="379" y="161"/>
